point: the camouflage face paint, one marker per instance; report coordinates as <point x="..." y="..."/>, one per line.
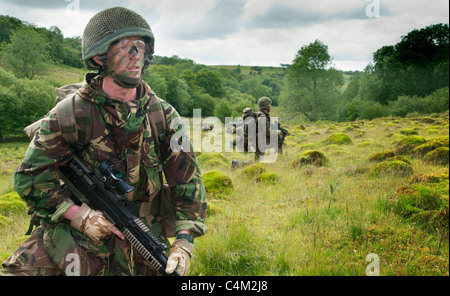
<point x="126" y="61"/>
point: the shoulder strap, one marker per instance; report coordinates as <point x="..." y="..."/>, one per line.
<point x="158" y="122"/>
<point x="75" y="120"/>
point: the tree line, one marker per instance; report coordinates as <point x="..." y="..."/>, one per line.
<point x="26" y="47"/>
<point x="409" y="77"/>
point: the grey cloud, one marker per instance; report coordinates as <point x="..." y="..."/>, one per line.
<point x="222" y="20"/>
<point x="84" y="5"/>
<point x="284" y="16"/>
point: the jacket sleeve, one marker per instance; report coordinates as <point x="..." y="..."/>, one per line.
<point x="36" y="179"/>
<point x="183" y="175"/>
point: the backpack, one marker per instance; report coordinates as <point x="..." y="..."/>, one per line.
<point x="75" y="122"/>
<point x="74" y="111"/>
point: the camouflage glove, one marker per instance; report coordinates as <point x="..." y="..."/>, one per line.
<point x="92" y="223"/>
<point x="180" y="257"/>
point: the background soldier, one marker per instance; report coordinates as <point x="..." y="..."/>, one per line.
<point x="119" y="44"/>
<point x="264" y="105"/>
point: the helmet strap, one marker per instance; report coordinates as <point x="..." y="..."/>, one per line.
<point x="126" y="82"/>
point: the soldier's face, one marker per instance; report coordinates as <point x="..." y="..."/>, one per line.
<point x="127" y="57"/>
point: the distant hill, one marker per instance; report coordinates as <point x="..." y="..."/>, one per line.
<point x="252" y="70"/>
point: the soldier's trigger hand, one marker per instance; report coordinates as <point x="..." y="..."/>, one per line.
<point x="93" y="224"/>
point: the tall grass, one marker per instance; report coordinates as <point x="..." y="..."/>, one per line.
<point x="312" y="220"/>
<point x="323" y="220"/>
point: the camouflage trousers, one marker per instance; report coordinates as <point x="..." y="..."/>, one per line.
<point x="61" y="250"/>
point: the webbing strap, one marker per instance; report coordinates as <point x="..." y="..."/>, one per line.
<point x="157" y="120"/>
<point x="65" y="111"/>
<point x="75" y="120"/>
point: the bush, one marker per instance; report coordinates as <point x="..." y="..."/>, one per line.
<point x="424" y="203"/>
<point x="337" y="139"/>
<point x="12" y="202"/>
<point x="222" y="110"/>
<point x="437" y="102"/>
<point x="217" y="184"/>
<point x="431" y="145"/>
<point x="409" y="131"/>
<point x="268" y="178"/>
<point x="399" y="157"/>
<point x="212" y="159"/>
<point x="310" y="157"/>
<point x="371" y="110"/>
<point x="407" y="144"/>
<point x="396" y="167"/>
<point x="382" y="156"/>
<point x="254" y="170"/>
<point x="438" y="156"/>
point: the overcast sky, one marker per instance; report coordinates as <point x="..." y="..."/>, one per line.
<point x="251" y="32"/>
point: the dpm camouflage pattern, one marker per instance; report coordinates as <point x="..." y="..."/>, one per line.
<point x="121" y="134"/>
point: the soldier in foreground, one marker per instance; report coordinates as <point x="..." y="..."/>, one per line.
<point x="119" y="129"/>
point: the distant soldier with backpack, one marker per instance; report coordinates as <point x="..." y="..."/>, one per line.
<point x="250" y="130"/>
<point x="113" y="117"/>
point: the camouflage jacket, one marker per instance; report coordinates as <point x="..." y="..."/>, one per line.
<point x="267" y="123"/>
<point x="120" y="134"/>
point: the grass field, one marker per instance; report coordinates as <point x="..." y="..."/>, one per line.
<point x="379" y="193"/>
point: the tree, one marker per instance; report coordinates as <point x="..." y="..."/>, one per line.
<point x="311" y="87"/>
<point x="254" y="86"/>
<point x="222" y="110"/>
<point x="211" y="82"/>
<point x="7" y="111"/>
<point x="416" y="66"/>
<point x="26" y="53"/>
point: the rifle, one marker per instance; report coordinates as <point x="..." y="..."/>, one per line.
<point x="284" y="131"/>
<point x="103" y="189"/>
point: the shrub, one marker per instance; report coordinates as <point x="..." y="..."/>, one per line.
<point x="382" y="156"/>
<point x="392" y="167"/>
<point x="12" y="202"/>
<point x="370" y="110"/>
<point x="407" y="144"/>
<point x="399" y="157"/>
<point x="268" y="178"/>
<point x="222" y="110"/>
<point x="212" y="159"/>
<point x="217" y="184"/>
<point x="423" y="149"/>
<point x="409" y="131"/>
<point x="310" y="157"/>
<point x="424" y="203"/>
<point x="337" y="139"/>
<point x="254" y="170"/>
<point x="438" y="156"/>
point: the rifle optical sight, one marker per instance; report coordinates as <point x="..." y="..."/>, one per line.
<point x="113" y="179"/>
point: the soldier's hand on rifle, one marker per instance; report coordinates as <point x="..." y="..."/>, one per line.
<point x="179" y="257"/>
<point x="91" y="223"/>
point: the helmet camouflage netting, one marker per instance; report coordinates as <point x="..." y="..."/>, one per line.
<point x="111" y="25"/>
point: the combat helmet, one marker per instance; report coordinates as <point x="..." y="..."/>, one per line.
<point x="247" y="111"/>
<point x="264" y="102"/>
<point x="111" y="25"/>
